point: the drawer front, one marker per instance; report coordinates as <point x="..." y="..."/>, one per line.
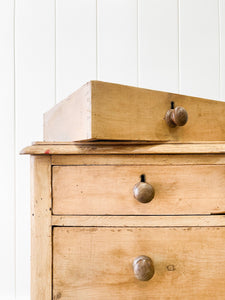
<point x="99" y="190"/>
<point x="97" y="263"/>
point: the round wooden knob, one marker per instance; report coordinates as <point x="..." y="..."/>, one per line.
<point x="143" y="268"/>
<point x="143" y="191"/>
<point x="177" y="116"/>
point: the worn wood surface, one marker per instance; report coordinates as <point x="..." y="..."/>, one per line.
<point x="144" y="159"/>
<point x="195" y="189"/>
<point x="96" y="263"/>
<point x="139" y="221"/>
<point x="93" y="254"/>
<point x="41" y="240"/>
<point x="101" y="110"/>
<point x="120" y="142"/>
<point x="125" y="148"/>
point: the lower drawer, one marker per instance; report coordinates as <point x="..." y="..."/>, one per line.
<point x="97" y="263"/>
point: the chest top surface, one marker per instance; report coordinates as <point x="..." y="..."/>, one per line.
<point x="54" y="148"/>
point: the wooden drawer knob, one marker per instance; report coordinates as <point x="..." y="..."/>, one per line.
<point x="177" y="116"/>
<point x="143" y="268"/>
<point x="143" y="191"/>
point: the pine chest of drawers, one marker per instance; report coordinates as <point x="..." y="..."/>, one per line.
<point x="94" y="237"/>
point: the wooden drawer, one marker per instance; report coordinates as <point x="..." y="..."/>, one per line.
<point x="106" y="111"/>
<point x="100" y="190"/>
<point x="96" y="263"/>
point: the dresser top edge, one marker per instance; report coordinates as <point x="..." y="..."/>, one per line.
<point x="106" y="147"/>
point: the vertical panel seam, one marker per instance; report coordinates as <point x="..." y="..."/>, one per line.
<point x="96" y="40"/>
<point x="14" y="140"/>
<point x="137" y="6"/>
<point x="219" y="48"/>
<point x="178" y="37"/>
<point x="55" y="68"/>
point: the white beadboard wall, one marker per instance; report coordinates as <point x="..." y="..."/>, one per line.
<point x="50" y="48"/>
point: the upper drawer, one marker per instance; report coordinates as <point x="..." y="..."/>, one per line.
<point x="100" y="190"/>
<point x="106" y="111"/>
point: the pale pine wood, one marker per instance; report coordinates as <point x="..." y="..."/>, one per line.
<point x="188" y="189"/>
<point x="41" y="231"/>
<point x="111" y="142"/>
<point x="144" y="159"/>
<point x="188" y="243"/>
<point x="139" y="221"/>
<point x="129" y="148"/>
<point x="76" y="112"/>
<point x="119" y="112"/>
<point x="96" y="263"/>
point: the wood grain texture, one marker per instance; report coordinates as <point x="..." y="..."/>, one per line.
<point x="117" y="41"/>
<point x="75" y="45"/>
<point x="100" y="190"/>
<point x="120" y="112"/>
<point x="120" y="142"/>
<point x="139" y="221"/>
<point x="143" y="159"/>
<point x="199" y="48"/>
<point x="96" y="263"/>
<point x="41" y="231"/>
<point x="73" y="111"/>
<point x="158" y="45"/>
<point x="117" y="148"/>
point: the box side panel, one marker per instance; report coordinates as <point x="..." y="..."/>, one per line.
<point x="70" y="120"/>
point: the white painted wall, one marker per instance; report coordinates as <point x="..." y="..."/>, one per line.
<point x="50" y="48"/>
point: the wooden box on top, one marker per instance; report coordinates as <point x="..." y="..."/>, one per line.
<point x="107" y="111"/>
